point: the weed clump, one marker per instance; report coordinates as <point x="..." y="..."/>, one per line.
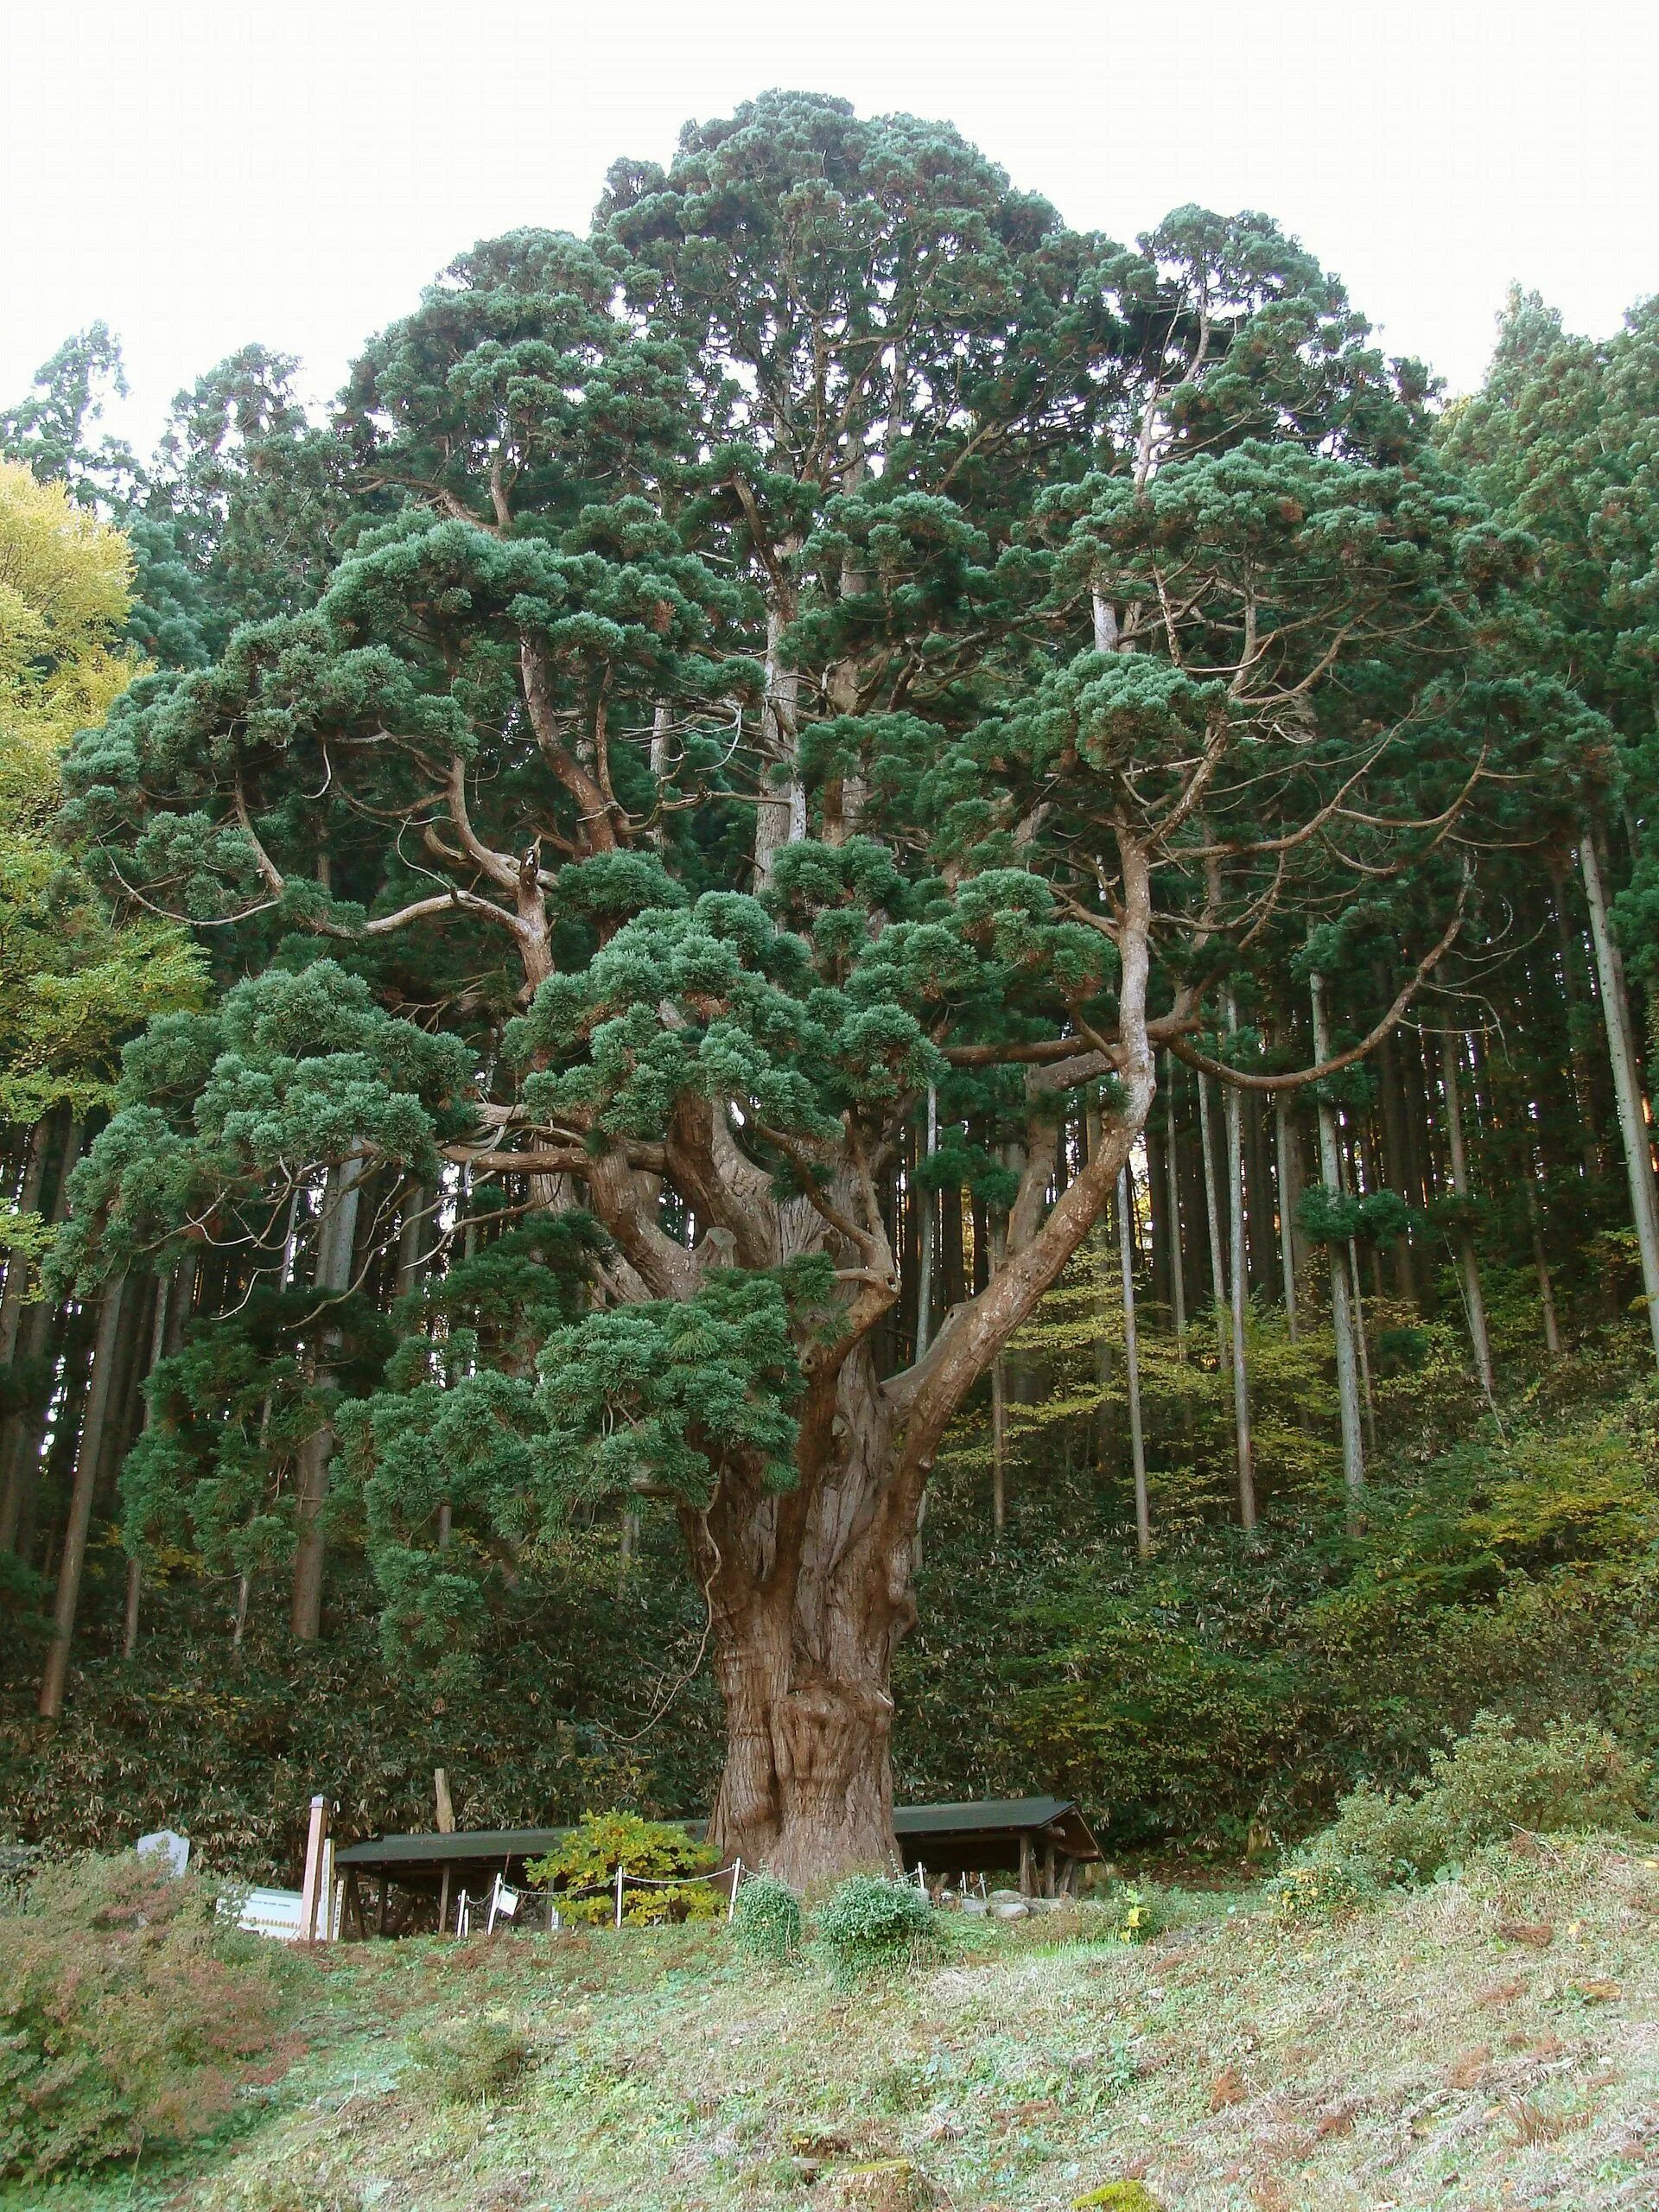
<point x="868" y="1926"/>
<point x="1480" y="1790"/>
<point x="131" y="2012"/>
<point x="477" y="2060"/>
<point x="766" y="1921"/>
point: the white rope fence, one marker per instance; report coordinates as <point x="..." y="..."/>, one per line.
<point x="504" y="1901"/>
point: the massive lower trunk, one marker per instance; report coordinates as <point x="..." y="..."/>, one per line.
<point x="810" y="1594"/>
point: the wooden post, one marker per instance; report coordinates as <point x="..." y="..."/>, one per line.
<point x="446" y="1809"/>
<point x="1028" y="1868"/>
<point x="311" y="1888"/>
<point x="380" y="1908"/>
<point x="443" y="1901"/>
<point x="1049" y="1888"/>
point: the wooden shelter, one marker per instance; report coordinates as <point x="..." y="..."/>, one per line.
<point x="1041" y="1841"/>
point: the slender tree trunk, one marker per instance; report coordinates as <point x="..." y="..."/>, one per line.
<point x="924" y="1201"/>
<point x="336" y="1237"/>
<point x="158" y="1334"/>
<point x="1627" y="1089"/>
<point x="999" y="1447"/>
<point x="1468" y="1264"/>
<point x="73" y="1558"/>
<point x="1243" y="1448"/>
<point x="28" y="1200"/>
<point x="1172" y="1172"/>
<point x="1342" y="1323"/>
<point x="1362" y="1346"/>
<point x="1212" y="1217"/>
<point x="1540" y="1268"/>
<point x="1398" y="1147"/>
<point x="1126" y="1242"/>
<point x="1569" y="946"/>
<point x="23" y="1431"/>
<point x="1283" y="1147"/>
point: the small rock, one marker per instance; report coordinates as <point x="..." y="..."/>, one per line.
<point x="1009" y="1908"/>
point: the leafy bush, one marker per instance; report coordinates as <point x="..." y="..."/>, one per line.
<point x="475" y="2060"/>
<point x="1479" y="1790"/>
<point x="590" y="1854"/>
<point x="1135" y="1914"/>
<point x="767" y="1920"/>
<point x="129" y="2012"/>
<point x="870" y="1926"/>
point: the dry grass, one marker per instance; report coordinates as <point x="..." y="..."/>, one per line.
<point x="1421" y="2055"/>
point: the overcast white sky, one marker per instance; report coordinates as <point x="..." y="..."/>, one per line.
<point x="201" y="172"/>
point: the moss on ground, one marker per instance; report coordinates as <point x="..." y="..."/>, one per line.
<point x="1489" y="2042"/>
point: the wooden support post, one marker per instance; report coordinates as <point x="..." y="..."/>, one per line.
<point x="1049" y="1888"/>
<point x="443" y="1901"/>
<point x="380" y="1910"/>
<point x="313" y="1895"/>
<point x="1028" y="1868"/>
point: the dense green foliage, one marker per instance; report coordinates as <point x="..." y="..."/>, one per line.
<point x="1492" y="1786"/>
<point x="655" y="871"/>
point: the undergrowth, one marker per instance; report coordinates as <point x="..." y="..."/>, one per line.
<point x="131" y="2012"/>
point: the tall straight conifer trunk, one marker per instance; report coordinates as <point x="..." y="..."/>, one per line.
<point x="336" y="1238"/>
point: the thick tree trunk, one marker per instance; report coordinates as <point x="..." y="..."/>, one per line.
<point x="809" y="1594"/>
<point x="809" y="1590"/>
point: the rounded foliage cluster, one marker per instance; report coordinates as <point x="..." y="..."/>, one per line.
<point x="868" y="1925"/>
<point x="766" y="1919"/>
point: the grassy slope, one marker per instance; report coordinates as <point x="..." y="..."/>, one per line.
<point x="1416" y="2056"/>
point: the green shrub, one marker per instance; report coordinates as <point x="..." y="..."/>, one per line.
<point x="131" y="2013"/>
<point x="1137" y="1916"/>
<point x="1479" y="1790"/>
<point x="477" y="2060"/>
<point x="870" y="1926"/>
<point x="766" y="1919"/>
<point x="590" y="1854"/>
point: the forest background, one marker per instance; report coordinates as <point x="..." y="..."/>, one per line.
<point x="1337" y="1425"/>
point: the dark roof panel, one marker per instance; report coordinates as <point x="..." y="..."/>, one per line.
<point x="1055" y="1818"/>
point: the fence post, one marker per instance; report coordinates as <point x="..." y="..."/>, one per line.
<point x="737" y="1876"/>
<point x="618" y="1896"/>
<point x="311" y="1887"/>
